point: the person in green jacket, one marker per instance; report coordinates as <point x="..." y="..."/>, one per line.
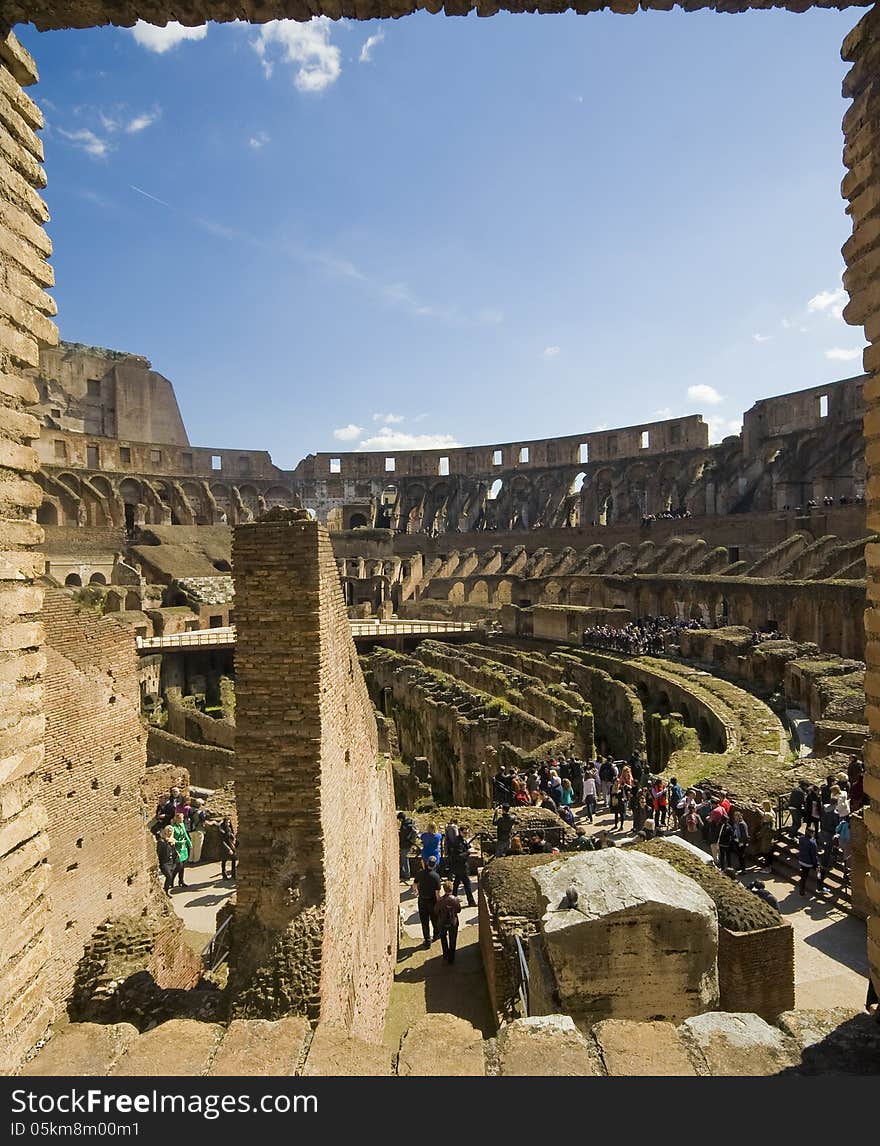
<point x="183" y="844"/>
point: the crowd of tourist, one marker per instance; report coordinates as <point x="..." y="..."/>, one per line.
<point x="666" y="515"/>
<point x="823" y="811"/>
<point x="179" y="829"/>
<point x="649" y="635"/>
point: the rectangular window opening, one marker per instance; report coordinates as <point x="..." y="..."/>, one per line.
<point x="584" y="452"/>
<point x="60" y="451"/>
<point x="186" y="460"/>
<point x="497" y="458"/>
<point x="156" y="457"/>
<point x="524" y="454"/>
<point x="646" y="439"/>
<point x="93" y="387"/>
<point x="92" y="458"/>
<point x="390" y="464"/>
<point x="823" y="406"/>
<point x="125" y="455"/>
<point x="443" y="467"/>
<point x="216" y="462"/>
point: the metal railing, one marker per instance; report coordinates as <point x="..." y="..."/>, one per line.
<point x="217" y="950"/>
<point x="523" y="986"/>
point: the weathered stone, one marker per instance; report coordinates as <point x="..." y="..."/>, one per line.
<point x="630" y="1048"/>
<point x="640" y="943"/>
<point x="334" y="1051"/>
<point x="739" y="1044"/>
<point x="256" y="1047"/>
<point x="834" y="1041"/>
<point x="178" y="1047"/>
<point x="83" y="1049"/>
<point x="441" y="1046"/>
<point x="548" y="1045"/>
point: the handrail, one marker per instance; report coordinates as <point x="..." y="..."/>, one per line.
<point x="210" y="958"/>
<point x="225" y="635"/>
<point x="523" y="986"/>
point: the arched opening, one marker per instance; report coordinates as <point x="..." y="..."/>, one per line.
<point x="73" y="581"/>
<point x="47" y="514"/>
<point x="357" y="521"/>
<point x="132" y="602"/>
<point x="495" y="488"/>
<point x="97" y="579"/>
<point x="578" y="484"/>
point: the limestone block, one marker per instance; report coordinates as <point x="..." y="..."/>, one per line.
<point x="738" y="1043"/>
<point x="256" y="1047"/>
<point x="335" y="1052"/>
<point x="83" y="1049"/>
<point x="178" y="1047"/>
<point x="441" y="1045"/>
<point x="834" y="1041"/>
<point x="640" y="943"/>
<point x="545" y="1045"/>
<point x="629" y="1048"/>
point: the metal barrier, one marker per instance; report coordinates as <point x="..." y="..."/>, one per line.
<point x="225" y="635"/>
<point x="523" y="985"/>
<point x="217" y="951"/>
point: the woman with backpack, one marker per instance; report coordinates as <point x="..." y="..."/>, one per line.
<point x="446" y="921"/>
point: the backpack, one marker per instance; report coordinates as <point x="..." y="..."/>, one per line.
<point x="409" y="833"/>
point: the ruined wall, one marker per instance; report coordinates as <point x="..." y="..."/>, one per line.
<point x="861" y="187"/>
<point x="756" y="970"/>
<point x="316" y="918"/>
<point x="25" y="1009"/>
<point x="208" y="765"/>
<point x="90" y="780"/>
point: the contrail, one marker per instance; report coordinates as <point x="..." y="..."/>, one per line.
<point x="147" y="195"/>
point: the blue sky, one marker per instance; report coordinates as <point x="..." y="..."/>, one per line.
<point x="434" y="231"/>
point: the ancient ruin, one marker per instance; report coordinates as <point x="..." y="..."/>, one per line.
<point x="181" y="615"/>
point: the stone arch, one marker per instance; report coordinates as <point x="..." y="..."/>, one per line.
<point x="278" y="495"/>
<point x="132" y="601"/>
<point x="357" y="521"/>
<point x="113" y="601"/>
<point x="50" y="512"/>
<point x="503" y="593"/>
<point x="479" y="594"/>
<point x="456" y="593"/>
<point x="73" y="581"/>
<point x="97" y="579"/>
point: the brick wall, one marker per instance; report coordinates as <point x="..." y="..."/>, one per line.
<point x="25" y="1008"/>
<point x="861" y="187"/>
<point x="316" y="918"/>
<point x="208" y="766"/>
<point x="756" y="970"/>
<point x="90" y="781"/>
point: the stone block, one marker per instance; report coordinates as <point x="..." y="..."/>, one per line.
<point x="630" y="1048"/>
<point x="179" y="1047"/>
<point x="337" y="1053"/>
<point x="648" y="935"/>
<point x="83" y="1049"/>
<point x="442" y="1046"/>
<point x="255" y="1047"/>
<point x="545" y="1045"/>
<point x="740" y="1044"/>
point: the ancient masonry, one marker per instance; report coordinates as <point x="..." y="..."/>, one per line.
<point x="861" y="186"/>
<point x="306" y="754"/>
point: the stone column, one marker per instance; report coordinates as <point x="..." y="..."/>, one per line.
<point x="316" y="916"/>
<point x="24" y="323"/>
<point x="861" y="187"/>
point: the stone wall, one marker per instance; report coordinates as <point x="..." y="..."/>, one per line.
<point x="208" y="765"/>
<point x="90" y="781"/>
<point x="315" y="927"/>
<point x="861" y="187"/>
<point x="752" y="970"/>
<point x="25" y="322"/>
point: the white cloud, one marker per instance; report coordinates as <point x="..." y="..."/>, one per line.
<point x="160" y="40"/>
<point x="704" y="393"/>
<point x="87" y="141"/>
<point x="307" y="47"/>
<point x="665" y="412"/>
<point x="140" y="122"/>
<point x="550" y="351"/>
<point x="348" y="433"/>
<point x="367" y="50"/>
<point x="839" y="354"/>
<point x="720" y="428"/>
<point x="389" y="419"/>
<point x="828" y="301"/>
<point x="388" y="439"/>
<point x="259" y="140"/>
<point x="762" y="337"/>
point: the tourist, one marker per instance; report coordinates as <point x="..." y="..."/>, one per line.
<point x="764" y="836"/>
<point x="740" y="839"/>
<point x="538" y="844"/>
<point x="626" y="776"/>
<point x="460" y="864"/>
<point x="566" y="815"/>
<point x="726" y="837"/>
<point x="532" y="784"/>
<point x="182" y="843"/>
<point x="503" y="829"/>
<point x="516" y="846"/>
<point x="813" y="808"/>
<point x="762" y="893"/>
<point x="195" y="825"/>
<point x="446" y="912"/>
<point x="577" y="781"/>
<point x="843" y="840"/>
<point x="407" y="838"/>
<point x="660" y="801"/>
<point x="228" y="848"/>
<point x="619" y="803"/>
<point x="639" y="809"/>
<point x="165" y="810"/>
<point x="796" y="807"/>
<point x="590" y="782"/>
<point x="427" y="886"/>
<point x="431" y="844"/>
<point x="166" y="853"/>
<point x="549" y="805"/>
<point x="554" y="789"/>
<point x="607" y="776"/>
<point x="717" y="819"/>
<point x="566" y="797"/>
<point x="808" y="857"/>
<point x="675" y="796"/>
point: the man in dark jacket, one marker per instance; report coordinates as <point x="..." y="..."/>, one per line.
<point x="460" y="864"/>
<point x="808" y="858"/>
<point x="427" y="885"/>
